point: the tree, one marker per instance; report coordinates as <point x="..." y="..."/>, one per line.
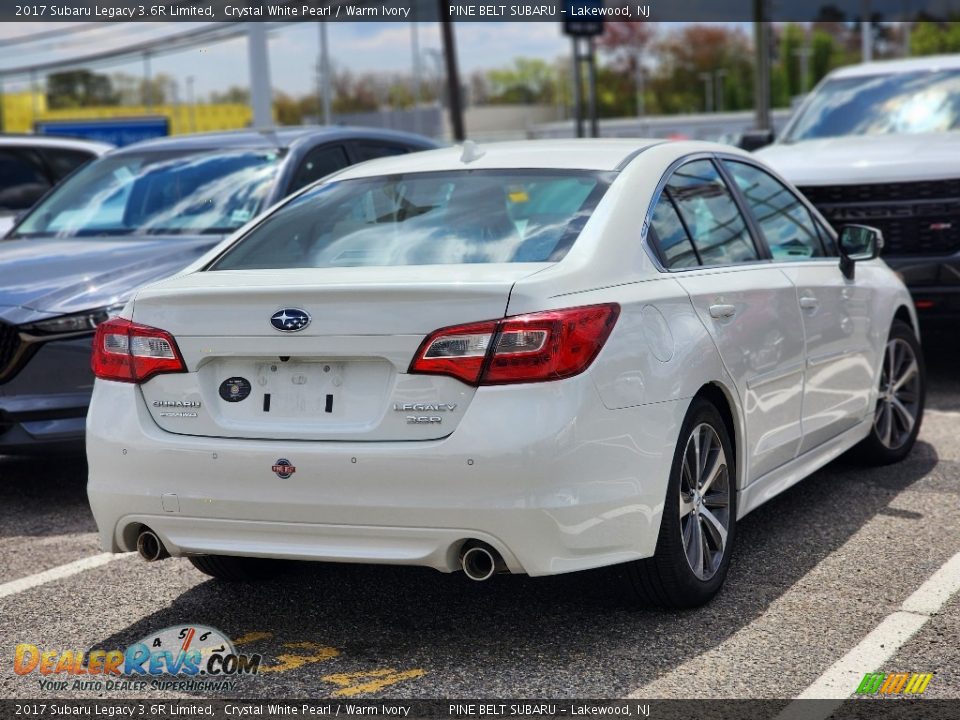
<point x="529" y="81"/>
<point x="233" y="95"/>
<point x="686" y="53"/>
<point x="79" y="88"/>
<point x="624" y="42"/>
<point x="931" y="38"/>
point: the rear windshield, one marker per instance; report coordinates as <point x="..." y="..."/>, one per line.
<point x="440" y="218"/>
<point x="157" y="193"/>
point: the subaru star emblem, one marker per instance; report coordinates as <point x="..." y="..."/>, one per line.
<point x="290" y="319"/>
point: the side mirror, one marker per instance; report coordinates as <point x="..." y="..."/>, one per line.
<point x="755" y="139"/>
<point x="858" y="243"/>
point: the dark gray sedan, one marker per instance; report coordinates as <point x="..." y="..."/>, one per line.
<point x="134" y="216"/>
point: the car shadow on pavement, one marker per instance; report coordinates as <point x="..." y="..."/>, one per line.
<point x="560" y="636"/>
<point x="44" y="496"/>
<point x="941" y="350"/>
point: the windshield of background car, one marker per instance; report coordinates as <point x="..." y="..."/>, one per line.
<point x="437" y="218"/>
<point x="914" y="102"/>
<point x="157" y="193"/>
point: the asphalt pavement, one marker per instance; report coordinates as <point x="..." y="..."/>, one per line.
<point x="815" y="572"/>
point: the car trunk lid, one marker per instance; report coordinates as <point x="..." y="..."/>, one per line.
<point x="343" y="376"/>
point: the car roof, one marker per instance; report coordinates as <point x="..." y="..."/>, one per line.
<point x="580" y="154"/>
<point x="892" y="67"/>
<point x="54" y="141"/>
<point x="274" y="138"/>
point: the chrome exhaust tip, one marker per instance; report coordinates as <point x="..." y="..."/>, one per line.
<point x="150" y="547"/>
<point x="480" y="562"/>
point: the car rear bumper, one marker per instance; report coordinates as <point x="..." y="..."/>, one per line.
<point x="544" y="473"/>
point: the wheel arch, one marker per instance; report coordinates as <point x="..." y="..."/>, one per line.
<point x="722" y="398"/>
<point x="904" y="315"/>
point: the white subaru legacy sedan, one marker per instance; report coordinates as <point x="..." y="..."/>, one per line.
<point x="534" y="357"/>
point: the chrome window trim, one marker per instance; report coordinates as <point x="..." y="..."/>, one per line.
<point x="748" y="216"/>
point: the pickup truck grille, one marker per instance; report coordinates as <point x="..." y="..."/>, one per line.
<point x="916" y="218"/>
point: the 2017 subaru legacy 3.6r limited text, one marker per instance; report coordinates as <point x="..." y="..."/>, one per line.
<point x="526" y="357"/>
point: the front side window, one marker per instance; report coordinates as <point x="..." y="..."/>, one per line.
<point x="157" y="193"/>
<point x="784" y="220"/>
<point x="711" y="215"/>
<point x="438" y="218"/>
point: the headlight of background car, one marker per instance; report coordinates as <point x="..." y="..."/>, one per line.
<point x="75" y="323"/>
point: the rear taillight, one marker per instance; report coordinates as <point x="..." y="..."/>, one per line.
<point x="525" y="348"/>
<point x="127" y="352"/>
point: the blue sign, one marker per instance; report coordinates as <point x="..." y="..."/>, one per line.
<point x="116" y="131"/>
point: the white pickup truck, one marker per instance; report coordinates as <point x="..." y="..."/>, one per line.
<point x="879" y="144"/>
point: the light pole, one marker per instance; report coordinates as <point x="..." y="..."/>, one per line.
<point x="639" y="82"/>
<point x="866" y="35"/>
<point x="415" y="49"/>
<point x="324" y="67"/>
<point x="192" y="102"/>
<point x="707" y="79"/>
<point x="718" y="77"/>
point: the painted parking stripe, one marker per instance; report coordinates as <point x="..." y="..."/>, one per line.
<point x="883" y="642"/>
<point x="56" y="573"/>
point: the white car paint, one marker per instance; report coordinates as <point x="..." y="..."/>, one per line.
<point x="854" y="159"/>
<point x="557" y="476"/>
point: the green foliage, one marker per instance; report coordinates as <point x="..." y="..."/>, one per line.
<point x="528" y="81"/>
<point x="79" y="88"/>
<point x="931" y="38"/>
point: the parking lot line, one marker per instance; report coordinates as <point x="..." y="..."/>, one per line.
<point x="56" y="573"/>
<point x="882" y="643"/>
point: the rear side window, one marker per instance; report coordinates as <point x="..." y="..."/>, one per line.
<point x="64" y="162"/>
<point x="319" y="163"/>
<point x="670" y="237"/>
<point x="710" y="214"/>
<point x="374" y="150"/>
<point x="22" y="180"/>
<point x="786" y="223"/>
<point x="440" y="218"/>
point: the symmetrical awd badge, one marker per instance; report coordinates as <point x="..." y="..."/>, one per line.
<point x="290" y="319"/>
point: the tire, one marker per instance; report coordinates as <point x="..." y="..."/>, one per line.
<point x="669" y="579"/>
<point x="890" y="439"/>
<point x="235" y="569"/>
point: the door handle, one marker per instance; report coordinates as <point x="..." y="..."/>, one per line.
<point x="808" y="302"/>
<point x="722" y="311"/>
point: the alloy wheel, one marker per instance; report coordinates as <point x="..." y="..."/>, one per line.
<point x="704" y="501"/>
<point x="898" y="403"/>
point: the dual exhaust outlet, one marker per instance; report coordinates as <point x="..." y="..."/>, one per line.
<point x="478" y="560"/>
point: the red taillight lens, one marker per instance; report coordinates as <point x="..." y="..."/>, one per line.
<point x="525" y="348"/>
<point x="456" y="351"/>
<point x="127" y="352"/>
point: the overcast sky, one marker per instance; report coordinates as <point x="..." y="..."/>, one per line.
<point x="361" y="47"/>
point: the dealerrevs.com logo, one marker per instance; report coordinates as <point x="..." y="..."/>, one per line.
<point x="894" y="683"/>
<point x="181" y="657"/>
